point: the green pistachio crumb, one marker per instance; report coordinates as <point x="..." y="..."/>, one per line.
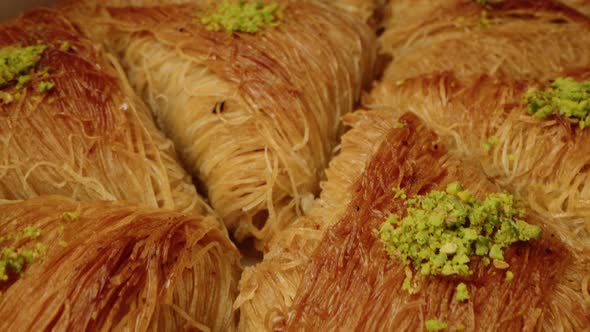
<point x="511" y="157"/>
<point x="32" y="232"/>
<point x="464" y="195"/>
<point x="460" y="327"/>
<point x="454" y="188"/>
<point x="62" y="243"/>
<point x="496" y="252"/>
<point x="23" y="81"/>
<point x="15" y="260"/>
<point x="398" y="125"/>
<point x="509" y="275"/>
<point x="461" y="292"/>
<point x="71" y="215"/>
<point x="399" y="193"/>
<point x="17" y="61"/>
<point x="442" y="231"/>
<point x="434" y="325"/>
<point x="41" y="247"/>
<point x="64" y="46"/>
<point x="45" y="86"/>
<point x="489" y="144"/>
<point x="565" y="97"/>
<point x="500" y="264"/>
<point x="407" y="284"/>
<point x="244" y="16"/>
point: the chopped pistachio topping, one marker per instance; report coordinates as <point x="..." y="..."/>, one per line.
<point x="32" y="232"/>
<point x="399" y="192"/>
<point x="15" y="260"/>
<point x="490" y="143"/>
<point x="509" y="275"/>
<point x="244" y="16"/>
<point x="398" y="125"/>
<point x="22" y="81"/>
<point x="442" y="231"/>
<point x="64" y="46"/>
<point x="71" y="215"/>
<point x="461" y="292"/>
<point x="17" y="61"/>
<point x="460" y="327"/>
<point x="45" y="86"/>
<point x="407" y="284"/>
<point x="565" y="96"/>
<point x="435" y="325"/>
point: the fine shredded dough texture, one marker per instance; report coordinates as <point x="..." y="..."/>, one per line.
<point x="364" y="8"/>
<point x="583" y="6"/>
<point x="90" y="137"/>
<point x="352" y="284"/>
<point x="546" y="160"/>
<point x="271" y="285"/>
<point x="113" y="267"/>
<point x="516" y="38"/>
<point x="346" y="281"/>
<point x="254" y="116"/>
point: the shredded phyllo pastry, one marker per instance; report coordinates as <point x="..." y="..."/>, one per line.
<point x="516" y="38"/>
<point x="398" y="165"/>
<point x="113" y="266"/>
<point x="255" y="115"/>
<point x="335" y="267"/>
<point x="445" y="236"/>
<point x="71" y="125"/>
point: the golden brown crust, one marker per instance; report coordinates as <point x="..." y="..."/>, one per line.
<point x="77" y="72"/>
<point x="583" y="6"/>
<point x="517" y="38"/>
<point x="282" y="91"/>
<point x="269" y="288"/>
<point x="117" y="267"/>
<point x="88" y="138"/>
<point x="351" y="283"/>
<point x="543" y="159"/>
<point x="272" y="294"/>
<point x="364" y="8"/>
